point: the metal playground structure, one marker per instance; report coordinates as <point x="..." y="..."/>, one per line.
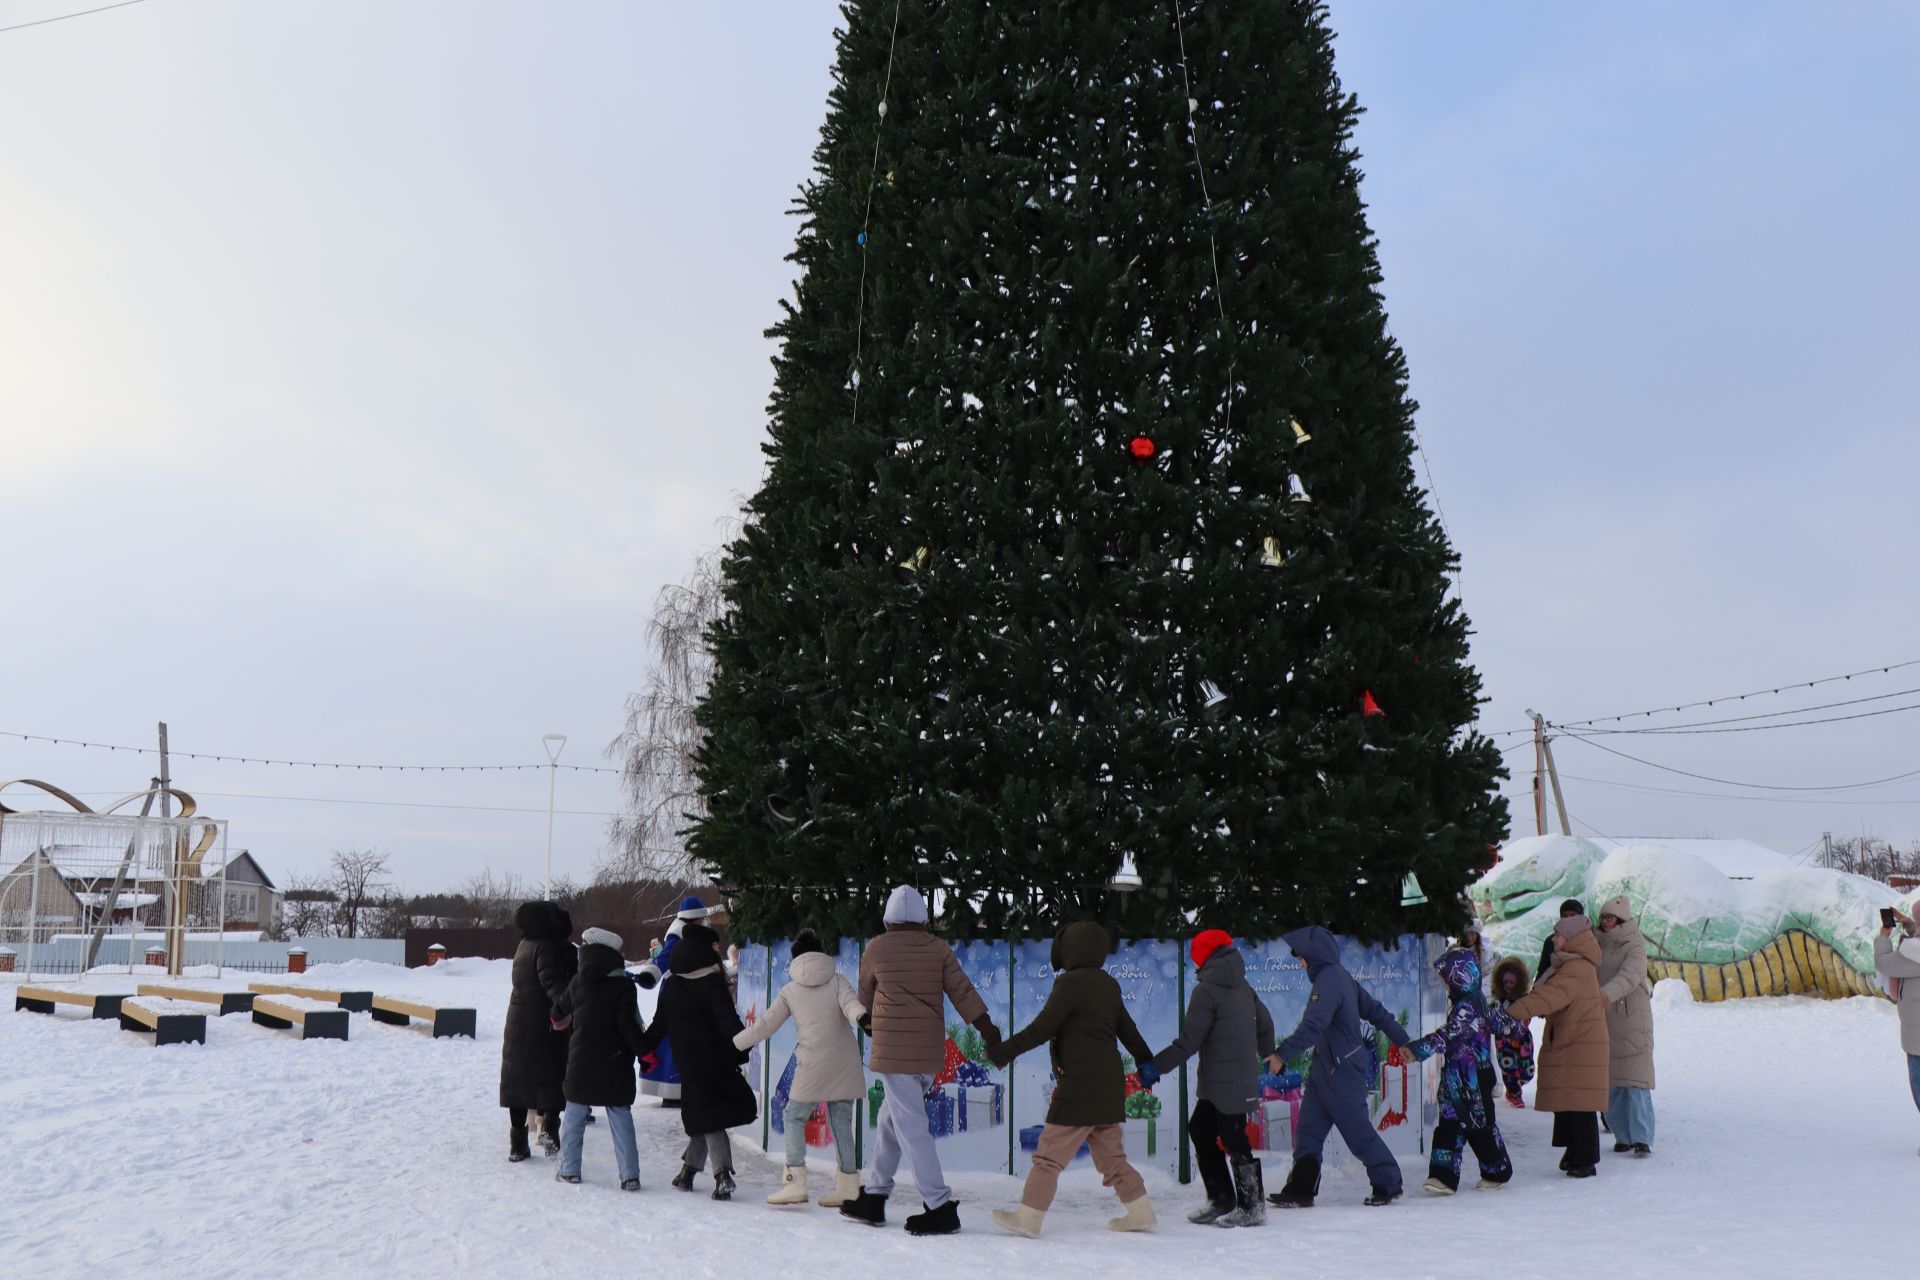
<point x="78" y="881"/>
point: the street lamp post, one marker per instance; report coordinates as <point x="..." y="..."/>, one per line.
<point x="555" y="743"/>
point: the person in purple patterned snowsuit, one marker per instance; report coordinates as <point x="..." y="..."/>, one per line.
<point x="1466" y="1082"/>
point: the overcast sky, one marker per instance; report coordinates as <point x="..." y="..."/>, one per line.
<point x="366" y="368"/>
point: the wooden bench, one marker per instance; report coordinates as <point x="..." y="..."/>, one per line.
<point x="168" y="1020"/>
<point x="445" y="1022"/>
<point x="229" y="1001"/>
<point x="43" y="999"/>
<point x="315" y="1024"/>
<point x="356" y="1001"/>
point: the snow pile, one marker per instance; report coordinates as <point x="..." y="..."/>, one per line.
<point x="1786" y="1147"/>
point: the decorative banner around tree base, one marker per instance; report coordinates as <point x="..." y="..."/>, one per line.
<point x="985" y="1118"/>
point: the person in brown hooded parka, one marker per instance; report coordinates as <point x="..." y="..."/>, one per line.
<point x="1083" y="1017"/>
<point x="1574" y="1058"/>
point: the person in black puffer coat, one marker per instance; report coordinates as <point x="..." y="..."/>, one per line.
<point x="608" y="1036"/>
<point x="697" y="1018"/>
<point x="533" y="1054"/>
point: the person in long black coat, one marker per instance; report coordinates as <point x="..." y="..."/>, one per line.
<point x="697" y="1017"/>
<point x="533" y="1054"/>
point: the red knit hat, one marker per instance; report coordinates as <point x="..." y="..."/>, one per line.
<point x="1208" y="941"/>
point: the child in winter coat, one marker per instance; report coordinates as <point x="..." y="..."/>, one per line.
<point x="1512" y="1040"/>
<point x="1082" y="1018"/>
<point x="607" y="1036"/>
<point x="1228" y="1026"/>
<point x="697" y="1019"/>
<point x="1466" y="1082"/>
<point x="825" y="1011"/>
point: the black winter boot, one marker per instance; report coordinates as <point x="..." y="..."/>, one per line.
<point x="723" y="1184"/>
<point x="944" y="1221"/>
<point x="550" y="1135"/>
<point x="1219" y="1195"/>
<point x="1250" y="1202"/>
<point x="866" y="1208"/>
<point x="683" y="1180"/>
<point x="1379" y="1196"/>
<point x="517" y="1144"/>
<point x="1302" y="1185"/>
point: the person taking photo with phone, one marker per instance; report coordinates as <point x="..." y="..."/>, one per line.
<point x="1898" y="961"/>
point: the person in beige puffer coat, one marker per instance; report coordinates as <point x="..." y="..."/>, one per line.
<point x="1623" y="981"/>
<point x="906" y="977"/>
<point x="1573" y="1052"/>
<point x="824" y="1012"/>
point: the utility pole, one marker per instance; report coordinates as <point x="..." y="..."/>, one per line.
<point x="175" y="907"/>
<point x="1539" y="773"/>
<point x="555" y="743"/>
<point x="1826" y="849"/>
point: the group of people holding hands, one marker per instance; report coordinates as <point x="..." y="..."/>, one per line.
<point x="1595" y="1055"/>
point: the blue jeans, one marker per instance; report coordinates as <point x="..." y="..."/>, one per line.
<point x="573" y="1132"/>
<point x="1913" y="1074"/>
<point x="1630" y="1114"/>
<point x="839" y="1115"/>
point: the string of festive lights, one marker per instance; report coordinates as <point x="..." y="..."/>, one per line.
<point x="229" y="758"/>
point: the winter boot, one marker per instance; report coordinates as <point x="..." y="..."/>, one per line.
<point x="1302" y="1185"/>
<point x="1621" y="1148"/>
<point x="723" y="1184"/>
<point x="683" y="1180"/>
<point x="1581" y="1171"/>
<point x="574" y="1178"/>
<point x="1212" y="1211"/>
<point x="1488" y="1184"/>
<point x="517" y="1145"/>
<point x="1642" y="1149"/>
<point x="1438" y="1187"/>
<point x="550" y="1136"/>
<point x="846" y="1187"/>
<point x="1138" y="1216"/>
<point x="1022" y="1221"/>
<point x="944" y="1221"/>
<point x="629" y="1184"/>
<point x="867" y="1208"/>
<point x="1380" y="1196"/>
<point x="1249" y="1194"/>
<point x="793" y="1187"/>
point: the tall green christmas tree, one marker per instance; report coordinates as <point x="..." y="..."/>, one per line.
<point x="1090" y="541"/>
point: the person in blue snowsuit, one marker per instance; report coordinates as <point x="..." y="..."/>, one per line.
<point x="662" y="1080"/>
<point x="1336" y="1092"/>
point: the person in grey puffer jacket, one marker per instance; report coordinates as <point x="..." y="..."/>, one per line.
<point x="1336" y="1093"/>
<point x="1227" y="1026"/>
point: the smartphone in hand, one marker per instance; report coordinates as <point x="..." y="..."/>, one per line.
<point x="1888" y="917"/>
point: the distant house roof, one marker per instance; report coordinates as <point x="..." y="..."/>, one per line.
<point x="259" y="873"/>
<point x="1734" y="858"/>
<point x="80" y="862"/>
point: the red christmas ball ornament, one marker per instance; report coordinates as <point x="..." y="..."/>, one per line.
<point x="1142" y="449"/>
<point x="1368" y="707"/>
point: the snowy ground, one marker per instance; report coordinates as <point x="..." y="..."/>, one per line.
<point x="1787" y="1147"/>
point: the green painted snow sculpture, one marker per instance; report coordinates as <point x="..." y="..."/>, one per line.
<point x="1800" y="931"/>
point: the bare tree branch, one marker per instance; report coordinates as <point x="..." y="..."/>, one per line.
<point x="661" y="736"/>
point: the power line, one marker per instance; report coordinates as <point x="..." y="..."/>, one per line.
<point x="1648" y="789"/>
<point x="399" y="804"/>
<point x="1696" y="725"/>
<point x="1729" y="782"/>
<point x="1741" y="697"/>
<point x="307" y="764"/>
<point x="41" y="22"/>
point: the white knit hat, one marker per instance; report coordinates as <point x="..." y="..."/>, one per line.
<point x="605" y="937"/>
<point x="906" y="906"/>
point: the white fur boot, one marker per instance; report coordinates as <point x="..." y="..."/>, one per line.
<point x="793" y="1187"/>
